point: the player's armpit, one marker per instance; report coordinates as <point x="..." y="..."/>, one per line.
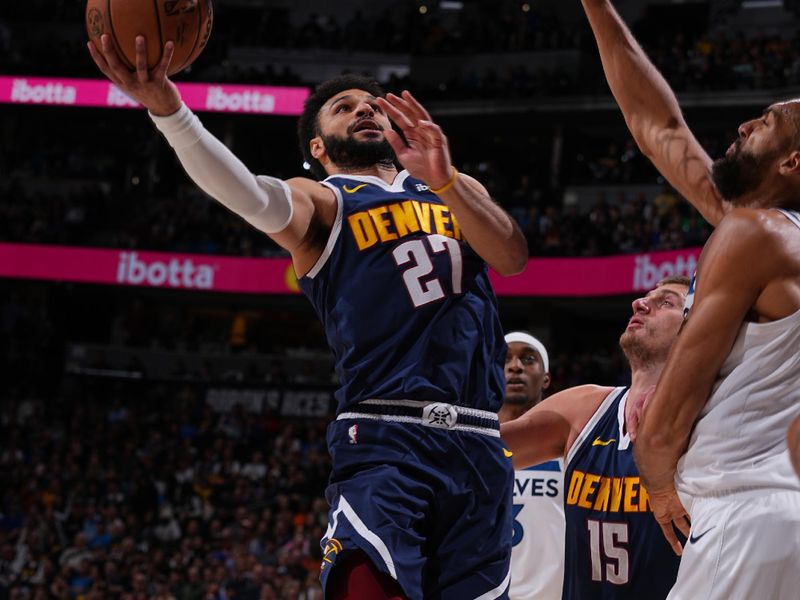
<point x="307" y="233"/>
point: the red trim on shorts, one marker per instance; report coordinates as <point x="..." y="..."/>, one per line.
<point x="357" y="578"/>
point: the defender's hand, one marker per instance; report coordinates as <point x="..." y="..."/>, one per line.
<point x="670" y="514"/>
<point x="152" y="89"/>
<point x="634" y="409"/>
<point x="424" y="153"/>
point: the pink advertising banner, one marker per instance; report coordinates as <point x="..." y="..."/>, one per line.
<point x="543" y="277"/>
<point x="203" y="97"/>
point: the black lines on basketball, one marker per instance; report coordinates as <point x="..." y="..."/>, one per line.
<point x="160" y="31"/>
<point x="114" y="39"/>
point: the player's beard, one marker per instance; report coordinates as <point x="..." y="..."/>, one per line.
<point x="348" y="154"/>
<point x="639" y="350"/>
<point x="739" y="173"/>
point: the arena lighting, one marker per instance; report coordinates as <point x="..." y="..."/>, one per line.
<point x="526" y="7"/>
<point x="423" y="9"/>
<point x="451" y="5"/>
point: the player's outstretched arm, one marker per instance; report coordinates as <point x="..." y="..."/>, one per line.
<point x="549" y="429"/>
<point x="491" y="231"/>
<point x="794" y="444"/>
<point x="283" y="210"/>
<point x="652" y="113"/>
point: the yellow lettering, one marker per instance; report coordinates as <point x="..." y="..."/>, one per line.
<point x="588" y="488"/>
<point x="404" y="219"/>
<point x="601" y="502"/>
<point x="644" y="499"/>
<point x="574" y="487"/>
<point x="381" y="223"/>
<point x="631" y="489"/>
<point x="423" y="210"/>
<point x="616" y="493"/>
<point x="441" y="217"/>
<point x="456" y="227"/>
<point x="363" y="231"/>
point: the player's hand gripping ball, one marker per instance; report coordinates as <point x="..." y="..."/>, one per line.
<point x="187" y="23"/>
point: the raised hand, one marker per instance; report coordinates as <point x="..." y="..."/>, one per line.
<point x="634" y="409"/>
<point x="424" y="153"/>
<point x="151" y="88"/>
<point x="670" y="514"/>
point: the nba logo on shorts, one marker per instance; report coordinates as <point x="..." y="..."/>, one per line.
<point x="352" y="433"/>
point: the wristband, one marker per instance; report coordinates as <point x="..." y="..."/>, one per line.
<point x="447" y="185"/>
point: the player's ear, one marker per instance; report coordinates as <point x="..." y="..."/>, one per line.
<point x="790" y="165"/>
<point x="317" y="147"/>
<point x="546" y="381"/>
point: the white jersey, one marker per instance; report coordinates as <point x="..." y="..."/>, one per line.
<point x="537" y="556"/>
<point x="739" y="440"/>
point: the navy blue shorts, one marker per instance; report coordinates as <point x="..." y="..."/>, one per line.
<point x="430" y="507"/>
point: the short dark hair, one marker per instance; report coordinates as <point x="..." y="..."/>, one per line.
<point x="308" y="125"/>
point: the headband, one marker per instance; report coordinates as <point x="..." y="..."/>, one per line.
<point x="529" y="340"/>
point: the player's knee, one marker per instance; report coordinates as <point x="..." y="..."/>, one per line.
<point x="357" y="578"/>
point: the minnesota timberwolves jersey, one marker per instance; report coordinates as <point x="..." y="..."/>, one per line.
<point x="537" y="555"/>
<point x="407" y="306"/>
<point x="615" y="548"/>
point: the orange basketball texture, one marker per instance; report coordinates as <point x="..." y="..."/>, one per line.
<point x="187" y="23"/>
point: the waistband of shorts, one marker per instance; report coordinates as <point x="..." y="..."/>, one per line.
<point x="438" y="415"/>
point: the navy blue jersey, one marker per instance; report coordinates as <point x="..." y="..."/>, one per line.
<point x="615" y="548"/>
<point x="407" y="306"/>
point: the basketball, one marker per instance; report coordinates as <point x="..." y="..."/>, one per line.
<point x="187" y="23"/>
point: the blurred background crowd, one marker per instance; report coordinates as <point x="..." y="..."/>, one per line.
<point x="166" y="444"/>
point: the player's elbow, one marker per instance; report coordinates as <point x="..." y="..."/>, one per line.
<point x="514" y="261"/>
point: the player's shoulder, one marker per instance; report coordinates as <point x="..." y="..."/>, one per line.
<point x="588" y="392"/>
<point x="756" y="234"/>
<point x="578" y="403"/>
<point x="311" y="188"/>
<point x="752" y="225"/>
<point x="306" y="184"/>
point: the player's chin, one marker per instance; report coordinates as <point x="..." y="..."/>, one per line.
<point x="516" y="396"/>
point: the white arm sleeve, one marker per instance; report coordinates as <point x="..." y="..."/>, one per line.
<point x="264" y="202"/>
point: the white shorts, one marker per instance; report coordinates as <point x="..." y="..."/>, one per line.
<point x="742" y="547"/>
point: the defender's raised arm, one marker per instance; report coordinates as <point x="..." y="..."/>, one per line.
<point x="652" y="113"/>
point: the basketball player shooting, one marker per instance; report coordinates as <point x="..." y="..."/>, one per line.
<point x="713" y="437"/>
<point x="418" y="464"/>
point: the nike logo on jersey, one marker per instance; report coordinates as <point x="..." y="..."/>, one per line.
<point x="507" y="453"/>
<point x="599" y="442"/>
<point x="355" y="189"/>
<point x="693" y="539"/>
